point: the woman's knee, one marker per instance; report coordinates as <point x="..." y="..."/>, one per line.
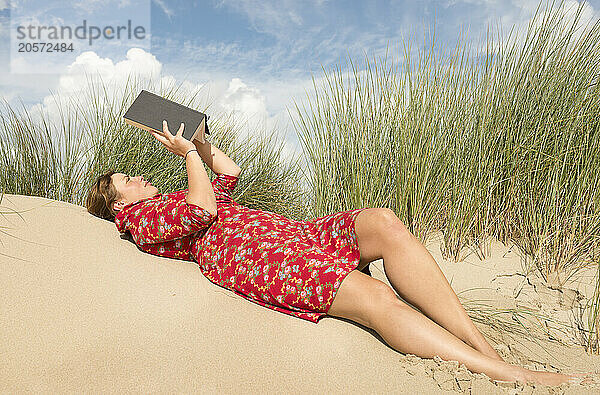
<point x="389" y="229"/>
<point x="360" y="298"/>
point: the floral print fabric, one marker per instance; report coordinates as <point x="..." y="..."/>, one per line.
<point x="294" y="267"/>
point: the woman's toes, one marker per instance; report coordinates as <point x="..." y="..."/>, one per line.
<point x="581" y="378"/>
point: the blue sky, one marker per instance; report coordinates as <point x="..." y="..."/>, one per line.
<point x="256" y="56"/>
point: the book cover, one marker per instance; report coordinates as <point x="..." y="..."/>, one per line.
<point x="148" y="111"/>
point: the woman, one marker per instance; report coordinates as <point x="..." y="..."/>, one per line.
<point x="303" y="268"/>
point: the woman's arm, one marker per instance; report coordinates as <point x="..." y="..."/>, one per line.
<point x="216" y="159"/>
<point x="155" y="221"/>
<point x="200" y="191"/>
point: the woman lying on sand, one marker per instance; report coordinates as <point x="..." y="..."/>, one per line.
<point x="307" y="269"/>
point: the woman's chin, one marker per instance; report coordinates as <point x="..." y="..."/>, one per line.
<point x="150" y="191"/>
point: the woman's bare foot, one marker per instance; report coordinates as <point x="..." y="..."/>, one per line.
<point x="550" y="378"/>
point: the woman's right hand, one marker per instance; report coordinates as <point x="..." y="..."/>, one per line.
<point x="175" y="143"/>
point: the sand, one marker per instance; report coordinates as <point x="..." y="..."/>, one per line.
<point x="83" y="310"/>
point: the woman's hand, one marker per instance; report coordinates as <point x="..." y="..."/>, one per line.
<point x="200" y="136"/>
<point x="175" y="143"/>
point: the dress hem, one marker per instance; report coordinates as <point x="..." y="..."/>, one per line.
<point x="343" y="276"/>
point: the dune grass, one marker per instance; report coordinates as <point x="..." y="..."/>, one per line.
<point x="502" y="142"/>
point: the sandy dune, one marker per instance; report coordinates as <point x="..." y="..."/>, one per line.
<point x="83" y="310"/>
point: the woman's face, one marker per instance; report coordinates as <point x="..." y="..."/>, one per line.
<point x="131" y="189"/>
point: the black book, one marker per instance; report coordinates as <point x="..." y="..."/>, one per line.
<point x="149" y="110"/>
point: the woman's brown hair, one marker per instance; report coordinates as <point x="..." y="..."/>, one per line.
<point x="101" y="197"/>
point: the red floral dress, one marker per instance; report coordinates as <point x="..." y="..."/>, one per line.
<point x="294" y="267"/>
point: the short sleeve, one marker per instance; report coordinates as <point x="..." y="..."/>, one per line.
<point x="223" y="185"/>
<point x="159" y="220"/>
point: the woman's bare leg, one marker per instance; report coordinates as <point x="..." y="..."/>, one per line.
<point x="417" y="278"/>
<point x="415" y="275"/>
<point x="409" y="331"/>
<point x="374" y="304"/>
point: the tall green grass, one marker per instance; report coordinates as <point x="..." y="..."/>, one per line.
<point x="502" y="142"/>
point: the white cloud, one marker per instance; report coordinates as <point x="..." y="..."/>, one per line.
<point x="313" y="32"/>
<point x="168" y="11"/>
<point x="272" y="17"/>
<point x="89" y="5"/>
<point x="4" y="4"/>
<point x="138" y="62"/>
<point x="570" y="8"/>
<point x="240" y="98"/>
<point x="502" y="16"/>
<point x="88" y="66"/>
